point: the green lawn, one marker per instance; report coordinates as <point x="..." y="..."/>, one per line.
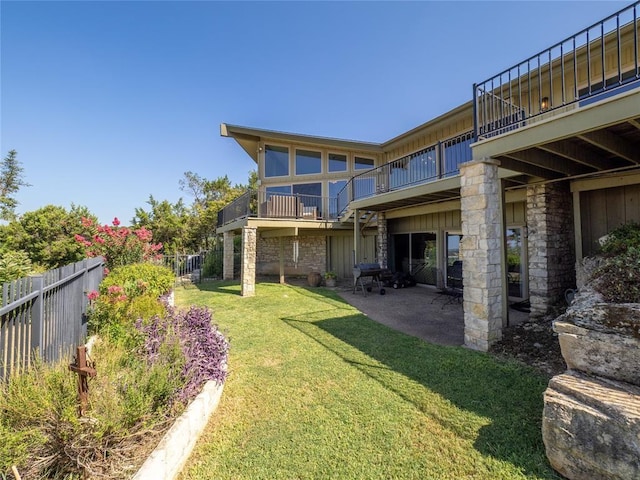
<point x="318" y="390"/>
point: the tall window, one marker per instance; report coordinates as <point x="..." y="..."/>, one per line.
<point x="276" y="161"/>
<point x="281" y="190"/>
<point x="308" y="162"/>
<point x="361" y="163"/>
<point x="337" y="162"/>
<point x="335" y="206"/>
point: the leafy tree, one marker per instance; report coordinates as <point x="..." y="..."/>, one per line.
<point x="210" y="196"/>
<point x="14" y="265"/>
<point x="170" y="224"/>
<point x="47" y="235"/>
<point x="11" y="179"/>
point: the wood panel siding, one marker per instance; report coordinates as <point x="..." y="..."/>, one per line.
<point x="340" y="255"/>
<point x="450" y="220"/>
<point x="603" y="210"/>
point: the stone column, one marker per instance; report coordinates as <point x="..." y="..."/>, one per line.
<point x="227" y="258"/>
<point x="550" y="245"/>
<point x="480" y="250"/>
<point x="248" y="268"/>
<point x="383" y="239"/>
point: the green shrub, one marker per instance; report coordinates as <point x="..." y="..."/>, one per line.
<point x="618" y="276"/>
<point x="212" y="266"/>
<point x="127" y="294"/>
<point x="140" y="278"/>
<point x="621" y="239"/>
<point x="130" y="400"/>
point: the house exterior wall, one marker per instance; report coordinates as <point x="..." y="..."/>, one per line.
<point x="430" y="222"/>
<point x="340" y="254"/>
<point x="605" y="209"/>
<point x="324" y="177"/>
<point x="456" y="124"/>
<point x="312" y="255"/>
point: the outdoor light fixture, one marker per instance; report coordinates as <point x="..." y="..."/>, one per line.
<point x="544" y="104"/>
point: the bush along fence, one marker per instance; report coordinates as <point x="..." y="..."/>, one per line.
<point x="46" y="314"/>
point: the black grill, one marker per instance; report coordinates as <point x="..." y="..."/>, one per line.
<point x="374" y="273"/>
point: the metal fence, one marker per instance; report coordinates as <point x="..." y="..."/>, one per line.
<point x="194" y="267"/>
<point x="265" y="204"/>
<point x="435" y="162"/>
<point x="46" y="314"/>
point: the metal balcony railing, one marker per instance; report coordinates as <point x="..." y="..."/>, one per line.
<point x="599" y="61"/>
<point x="435" y="162"/>
<point x="263" y="204"/>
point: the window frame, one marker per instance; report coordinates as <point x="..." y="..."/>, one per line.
<point x="271" y="146"/>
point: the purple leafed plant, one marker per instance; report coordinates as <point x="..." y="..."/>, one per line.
<point x="204" y="347"/>
<point x="205" y="350"/>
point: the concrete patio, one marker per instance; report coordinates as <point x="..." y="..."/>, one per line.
<point x="421" y="311"/>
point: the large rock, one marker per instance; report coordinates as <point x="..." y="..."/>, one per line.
<point x="591" y="427"/>
<point x="589" y="311"/>
<point x="609" y="355"/>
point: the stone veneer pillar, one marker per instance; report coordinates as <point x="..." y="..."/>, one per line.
<point x="550" y="245"/>
<point x="248" y="268"/>
<point x="383" y="239"/>
<point x="480" y="250"/>
<point x="227" y="256"/>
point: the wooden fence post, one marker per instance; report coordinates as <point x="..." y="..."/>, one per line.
<point x="84" y="370"/>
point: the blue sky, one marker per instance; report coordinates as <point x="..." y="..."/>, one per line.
<point x="110" y="102"/>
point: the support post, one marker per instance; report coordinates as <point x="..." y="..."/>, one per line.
<point x="282" y="282"/>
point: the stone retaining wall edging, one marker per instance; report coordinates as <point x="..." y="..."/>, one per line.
<point x="168" y="458"/>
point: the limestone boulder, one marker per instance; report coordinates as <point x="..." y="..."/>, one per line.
<point x="610" y="355"/>
<point x="588" y="310"/>
<point x="591" y="427"/>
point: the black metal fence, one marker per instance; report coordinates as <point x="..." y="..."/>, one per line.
<point x="46" y="314"/>
<point x="441" y="160"/>
<point x="195" y="267"/>
<point x="266" y="204"/>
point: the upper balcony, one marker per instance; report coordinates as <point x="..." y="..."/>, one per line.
<point x="267" y="205"/>
<point x="570" y="111"/>
<point x="592" y="65"/>
<point x="439" y="161"/>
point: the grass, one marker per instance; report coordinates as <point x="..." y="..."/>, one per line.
<point x="317" y="390"/>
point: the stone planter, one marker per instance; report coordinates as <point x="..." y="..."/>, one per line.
<point x="330" y="282"/>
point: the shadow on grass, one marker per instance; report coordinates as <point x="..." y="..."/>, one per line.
<point x="508" y="396"/>
<point x="233" y="287"/>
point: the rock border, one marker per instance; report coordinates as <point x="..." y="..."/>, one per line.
<point x="168" y="458"/>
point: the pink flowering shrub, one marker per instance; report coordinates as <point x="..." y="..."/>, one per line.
<point x="118" y="245"/>
<point x="127" y="294"/>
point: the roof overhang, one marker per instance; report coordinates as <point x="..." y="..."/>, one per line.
<point x="249" y="139"/>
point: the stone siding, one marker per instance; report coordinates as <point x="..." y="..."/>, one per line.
<point x="312" y="255"/>
<point x="227" y="259"/>
<point x="551" y="245"/>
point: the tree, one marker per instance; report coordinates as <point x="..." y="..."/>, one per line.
<point x="210" y="196"/>
<point x="11" y="179"/>
<point x="170" y="224"/>
<point x="47" y="235"/>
